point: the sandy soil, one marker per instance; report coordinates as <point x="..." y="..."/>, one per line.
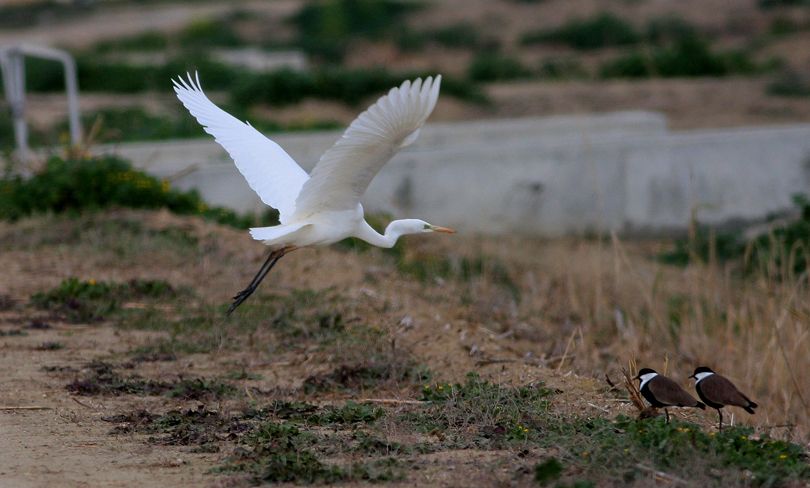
<point x="51" y="437"/>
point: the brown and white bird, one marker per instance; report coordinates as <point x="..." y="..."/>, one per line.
<point x="663" y="392"/>
<point x="717" y="392"/>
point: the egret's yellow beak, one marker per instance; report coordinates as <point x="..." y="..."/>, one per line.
<point x="446" y="230"/>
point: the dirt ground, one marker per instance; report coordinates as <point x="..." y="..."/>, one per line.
<point x="52" y="436"/>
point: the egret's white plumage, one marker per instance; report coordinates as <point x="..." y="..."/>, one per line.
<point x="323" y="207"/>
<point x="268" y="169"/>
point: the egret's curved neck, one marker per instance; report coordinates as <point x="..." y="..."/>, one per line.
<point x="392" y="234"/>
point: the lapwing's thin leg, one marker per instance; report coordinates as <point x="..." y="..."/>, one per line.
<point x="720" y="414"/>
<point x="667" y="414"/>
<point x="271" y="261"/>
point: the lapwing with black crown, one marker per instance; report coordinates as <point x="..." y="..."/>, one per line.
<point x="718" y="391"/>
<point x="663" y="392"/>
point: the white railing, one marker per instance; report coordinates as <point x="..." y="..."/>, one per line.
<point x="12" y="62"/>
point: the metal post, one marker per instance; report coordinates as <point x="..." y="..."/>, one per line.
<point x="13" y="65"/>
<point x="12" y="62"/>
<point x="72" y="87"/>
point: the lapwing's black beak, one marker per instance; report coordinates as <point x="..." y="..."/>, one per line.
<point x="692" y="376"/>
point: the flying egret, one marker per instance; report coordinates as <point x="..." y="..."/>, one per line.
<point x="323" y="207"/>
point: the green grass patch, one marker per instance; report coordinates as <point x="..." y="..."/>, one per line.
<point x="76" y="185"/>
<point x="350" y="413"/>
<point x="480" y="414"/>
<point x="326" y="28"/>
<point x="781" y="252"/>
<point x="102" y="378"/>
<point x="490" y="66"/>
<point x="769" y="4"/>
<point x="25" y="14"/>
<point x="277" y="452"/>
<point x="688" y="57"/>
<point x="790" y="84"/>
<point x="562" y="68"/>
<point x="208" y="33"/>
<point x="379" y="369"/>
<point x="461" y="35"/>
<point x="602" y="30"/>
<point x="281" y="452"/>
<point x="199" y="427"/>
<point x="144" y="41"/>
<point x="85" y="301"/>
<point x="246" y="88"/>
<point x="625" y="450"/>
<point x="351" y="86"/>
<point x="13" y="333"/>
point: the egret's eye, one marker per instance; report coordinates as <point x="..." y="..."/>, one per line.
<point x="426" y="227"/>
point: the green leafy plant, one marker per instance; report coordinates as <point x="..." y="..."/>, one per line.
<point x="790" y="84"/>
<point x="782" y="251"/>
<point x="602" y="30"/>
<point x="688" y="57"/>
<point x="83" y="301"/>
<point x="76" y="185"/>
<point x="496" y="67"/>
<point x="325" y="28"/>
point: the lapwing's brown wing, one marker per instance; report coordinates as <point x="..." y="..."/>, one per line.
<point x="670" y="393"/>
<point x="718" y="389"/>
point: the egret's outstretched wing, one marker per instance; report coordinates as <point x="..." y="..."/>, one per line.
<point x="344" y="171"/>
<point x="268" y="169"/>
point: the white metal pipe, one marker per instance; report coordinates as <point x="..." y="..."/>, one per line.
<point x="12" y="62"/>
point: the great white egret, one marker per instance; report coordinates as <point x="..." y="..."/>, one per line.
<point x="323" y="207"/>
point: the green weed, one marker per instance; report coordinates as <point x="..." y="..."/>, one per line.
<point x="688" y="57"/>
<point x="479" y="413"/>
<point x="350" y="413"/>
<point x="103" y="379"/>
<point x="280" y="452"/>
<point x="783" y="251"/>
<point x="351" y="86"/>
<point x="85" y="301"/>
<point x="75" y="185"/>
<point x="602" y="30"/>
<point x="681" y="449"/>
<point x="790" y="84"/>
<point x="144" y="41"/>
<point x="325" y="28"/>
<point x="496" y="67"/>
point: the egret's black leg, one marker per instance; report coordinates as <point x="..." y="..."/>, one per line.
<point x="271" y="260"/>
<point x="666" y="412"/>
<point x="243" y="295"/>
<point x="720" y="414"/>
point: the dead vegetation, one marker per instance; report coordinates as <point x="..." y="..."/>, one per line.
<point x="355" y="365"/>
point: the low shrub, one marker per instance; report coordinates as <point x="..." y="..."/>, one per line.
<point x="496" y="67"/>
<point x="351" y="86"/>
<point x="599" y="31"/>
<point x="790" y="84"/>
<point x="783" y="250"/>
<point x="325" y="28"/>
<point x="690" y="57"/>
<point x="75" y="185"/>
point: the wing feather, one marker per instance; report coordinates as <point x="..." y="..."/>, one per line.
<point x="344" y="171"/>
<point x="268" y="169"/>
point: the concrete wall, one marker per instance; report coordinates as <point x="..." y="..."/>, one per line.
<point x="543" y="176"/>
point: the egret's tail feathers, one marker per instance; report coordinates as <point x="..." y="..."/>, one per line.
<point x="275" y="233"/>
